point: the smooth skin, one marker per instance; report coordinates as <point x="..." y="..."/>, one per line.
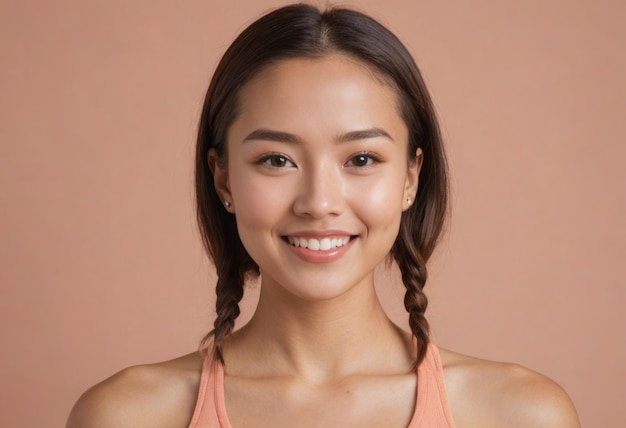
<point x="319" y="149"/>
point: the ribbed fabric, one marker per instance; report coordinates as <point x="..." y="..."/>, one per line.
<point x="431" y="406"/>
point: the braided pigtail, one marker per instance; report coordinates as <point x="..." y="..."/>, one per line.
<point x="420" y="229"/>
<point x="414" y="274"/>
<point x="229" y="293"/>
<point x="234" y="267"/>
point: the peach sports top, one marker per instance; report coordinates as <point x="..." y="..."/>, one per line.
<point x="431" y="406"/>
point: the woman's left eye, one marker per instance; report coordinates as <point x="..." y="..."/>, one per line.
<point x="362" y="160"/>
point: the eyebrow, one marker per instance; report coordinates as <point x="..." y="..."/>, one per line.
<point x="285" y="137"/>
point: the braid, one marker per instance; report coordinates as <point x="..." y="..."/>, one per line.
<point x="229" y="290"/>
<point x="229" y="294"/>
<point x="414" y="245"/>
<point x="414" y="276"/>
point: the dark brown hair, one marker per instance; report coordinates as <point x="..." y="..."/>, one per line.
<point x="304" y="31"/>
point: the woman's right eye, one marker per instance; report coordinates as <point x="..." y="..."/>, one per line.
<point x="276" y="161"/>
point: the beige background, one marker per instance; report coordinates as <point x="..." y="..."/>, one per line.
<point x="100" y="263"/>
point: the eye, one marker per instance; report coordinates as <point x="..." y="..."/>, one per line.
<point x="276" y="161"/>
<point x="362" y="160"/>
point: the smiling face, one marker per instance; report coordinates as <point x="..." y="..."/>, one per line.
<point x="317" y="174"/>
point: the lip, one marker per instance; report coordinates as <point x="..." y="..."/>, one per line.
<point x="319" y="256"/>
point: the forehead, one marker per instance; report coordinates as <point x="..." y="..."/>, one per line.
<point x="306" y="69"/>
<point x="330" y="88"/>
<point x="333" y="62"/>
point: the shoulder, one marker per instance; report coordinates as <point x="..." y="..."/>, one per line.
<point x="153" y="395"/>
<point x="486" y="393"/>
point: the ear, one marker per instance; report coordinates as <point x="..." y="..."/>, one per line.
<point x="220" y="181"/>
<point x="412" y="179"/>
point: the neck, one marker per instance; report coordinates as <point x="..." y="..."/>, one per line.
<point x="322" y="340"/>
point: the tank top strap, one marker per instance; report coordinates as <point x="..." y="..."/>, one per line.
<point x="431" y="404"/>
<point x="210" y="410"/>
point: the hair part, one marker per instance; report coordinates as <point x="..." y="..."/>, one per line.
<point x="297" y="31"/>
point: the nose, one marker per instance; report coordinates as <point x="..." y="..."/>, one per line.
<point x="321" y="192"/>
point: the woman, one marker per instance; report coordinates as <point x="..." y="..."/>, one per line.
<point x="319" y="157"/>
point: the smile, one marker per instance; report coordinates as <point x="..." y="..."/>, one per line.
<point x="323" y="244"/>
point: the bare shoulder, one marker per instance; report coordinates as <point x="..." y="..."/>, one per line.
<point x="485" y="393"/>
<point x="152" y="395"/>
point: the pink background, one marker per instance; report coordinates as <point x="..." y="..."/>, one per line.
<point x="101" y="266"/>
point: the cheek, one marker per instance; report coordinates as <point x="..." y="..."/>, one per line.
<point x="381" y="204"/>
<point x="383" y="193"/>
<point x="259" y="201"/>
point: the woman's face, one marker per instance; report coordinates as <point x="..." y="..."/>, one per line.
<point x="317" y="174"/>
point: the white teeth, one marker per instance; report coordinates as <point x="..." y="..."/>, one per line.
<point x="325" y="244"/>
<point x="314" y="244"/>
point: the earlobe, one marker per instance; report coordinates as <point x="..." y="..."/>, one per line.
<point x="220" y="180"/>
<point x="412" y="179"/>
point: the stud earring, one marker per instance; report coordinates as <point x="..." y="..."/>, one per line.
<point x="408" y="201"/>
<point x="227" y="204"/>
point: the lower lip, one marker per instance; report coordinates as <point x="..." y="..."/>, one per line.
<point x="327" y="256"/>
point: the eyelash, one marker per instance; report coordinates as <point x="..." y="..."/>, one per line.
<point x="369" y="157"/>
<point x="269" y="157"/>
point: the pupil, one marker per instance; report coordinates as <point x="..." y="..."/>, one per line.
<point x="279" y="161"/>
<point x="361" y="160"/>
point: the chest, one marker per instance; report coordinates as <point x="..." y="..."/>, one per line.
<point x="370" y="401"/>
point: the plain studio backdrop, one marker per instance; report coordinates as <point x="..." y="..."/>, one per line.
<point x="101" y="266"/>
